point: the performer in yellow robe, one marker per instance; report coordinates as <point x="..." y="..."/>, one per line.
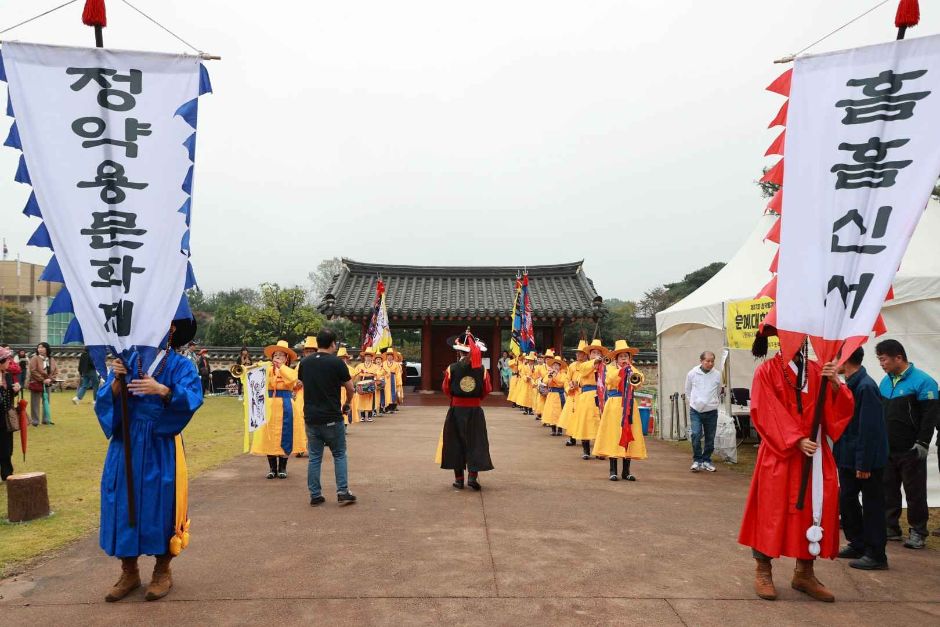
<point x="539" y="373"/>
<point x="392" y="377"/>
<point x="276" y="437"/>
<point x="611" y="427"/>
<point x="368" y="372"/>
<point x="353" y="415"/>
<point x="586" y="416"/>
<point x="527" y="394"/>
<point x="556" y="379"/>
<point x="400" y="360"/>
<point x="513" y="381"/>
<point x="567" y="412"/>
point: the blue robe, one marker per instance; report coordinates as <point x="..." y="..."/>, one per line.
<point x="153" y="425"/>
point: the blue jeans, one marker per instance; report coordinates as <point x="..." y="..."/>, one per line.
<point x="332" y="435"/>
<point x="89" y="382"/>
<point x="705" y="422"/>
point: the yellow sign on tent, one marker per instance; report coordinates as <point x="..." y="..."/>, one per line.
<point x="742" y="318"/>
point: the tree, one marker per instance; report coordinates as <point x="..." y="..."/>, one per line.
<point x="283" y="314"/>
<point x="692" y="281"/>
<point x="14" y="323"/>
<point x="654" y="301"/>
<point x="321" y="278"/>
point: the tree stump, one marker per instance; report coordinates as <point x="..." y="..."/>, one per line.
<point x="27" y="496"/>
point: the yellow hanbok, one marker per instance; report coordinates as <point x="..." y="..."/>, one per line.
<point x="393" y="368"/>
<point x="586" y="417"/>
<point x="552" y="407"/>
<point x="513" y="380"/>
<point x="369" y="402"/>
<point x="525" y="396"/>
<point x="355" y="398"/>
<point x="283" y="433"/>
<point x="567" y="412"/>
<point x="609" y="432"/>
<point x="540" y="371"/>
<point x="401" y="378"/>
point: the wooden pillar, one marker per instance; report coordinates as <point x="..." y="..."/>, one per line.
<point x="426" y="355"/>
<point x="365" y="329"/>
<point x="558" y="337"/>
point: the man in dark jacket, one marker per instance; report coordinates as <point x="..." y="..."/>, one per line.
<point x="861" y="455"/>
<point x="911" y="408"/>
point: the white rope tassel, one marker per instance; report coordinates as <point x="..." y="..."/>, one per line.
<point x="815" y="533"/>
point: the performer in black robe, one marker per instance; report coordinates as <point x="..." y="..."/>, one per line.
<point x="464" y="441"/>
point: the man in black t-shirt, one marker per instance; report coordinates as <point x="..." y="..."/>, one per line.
<point x="323" y="375"/>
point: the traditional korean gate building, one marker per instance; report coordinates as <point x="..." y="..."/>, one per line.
<point x="444" y="300"/>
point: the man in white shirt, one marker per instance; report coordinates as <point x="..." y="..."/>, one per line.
<point x="702" y="388"/>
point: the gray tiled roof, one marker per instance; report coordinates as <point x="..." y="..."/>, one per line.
<point x="557" y="291"/>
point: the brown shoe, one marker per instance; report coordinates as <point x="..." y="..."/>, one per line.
<point x="764" y="580"/>
<point x="805" y="581"/>
<point x="162" y="579"/>
<point x="129" y="581"/>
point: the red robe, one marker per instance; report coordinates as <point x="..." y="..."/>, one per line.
<point x="771" y="523"/>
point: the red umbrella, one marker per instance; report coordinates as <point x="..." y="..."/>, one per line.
<point x="24" y="425"/>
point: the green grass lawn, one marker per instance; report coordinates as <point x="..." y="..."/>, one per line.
<point x="747" y="456"/>
<point x="71" y="454"/>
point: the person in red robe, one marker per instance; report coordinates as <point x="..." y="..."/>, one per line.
<point x="772" y="526"/>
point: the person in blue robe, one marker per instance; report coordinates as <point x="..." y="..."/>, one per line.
<point x="160" y="405"/>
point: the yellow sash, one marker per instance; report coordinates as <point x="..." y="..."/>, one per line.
<point x="180" y="539"/>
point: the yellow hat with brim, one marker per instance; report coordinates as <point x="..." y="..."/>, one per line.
<point x="621" y="346"/>
<point x="310" y="342"/>
<point x="531" y="356"/>
<point x="369" y="351"/>
<point x="549" y="353"/>
<point x="341" y="353"/>
<point x="280" y="347"/>
<point x="552" y="360"/>
<point x="596" y="346"/>
<point x="582" y="347"/>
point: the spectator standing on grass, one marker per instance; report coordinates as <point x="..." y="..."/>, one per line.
<point x="8" y="390"/>
<point x="911" y="408"/>
<point x="89" y="377"/>
<point x="42" y="373"/>
<point x="323" y="375"/>
<point x="861" y="455"/>
<point x="702" y="389"/>
<point x="202" y="366"/>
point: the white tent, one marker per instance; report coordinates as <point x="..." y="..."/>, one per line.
<point x="697" y="322"/>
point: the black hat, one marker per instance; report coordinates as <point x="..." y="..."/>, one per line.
<point x="184" y="333"/>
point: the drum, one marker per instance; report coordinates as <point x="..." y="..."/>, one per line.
<point x="365" y="387"/>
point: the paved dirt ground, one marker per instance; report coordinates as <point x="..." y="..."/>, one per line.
<point x="550" y="540"/>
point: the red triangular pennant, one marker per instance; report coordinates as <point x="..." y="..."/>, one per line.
<point x="775" y="262"/>
<point x="769" y="290"/>
<point x="782" y="83"/>
<point x="880" y="327"/>
<point x="890" y="294"/>
<point x="774" y="233"/>
<point x="781" y="119"/>
<point x="790" y="343"/>
<point x="774" y="175"/>
<point x="776" y="203"/>
<point x="776" y="148"/>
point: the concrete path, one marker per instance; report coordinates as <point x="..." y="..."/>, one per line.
<point x="549" y="541"/>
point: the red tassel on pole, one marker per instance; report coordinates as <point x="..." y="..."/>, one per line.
<point x="908" y="14"/>
<point x="94" y="13"/>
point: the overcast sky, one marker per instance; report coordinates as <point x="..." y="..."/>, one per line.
<point x="628" y="134"/>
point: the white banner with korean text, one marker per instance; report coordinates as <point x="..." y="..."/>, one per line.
<point x="862" y="156"/>
<point x="107" y="157"/>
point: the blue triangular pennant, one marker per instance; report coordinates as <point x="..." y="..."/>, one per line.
<point x="188" y="182"/>
<point x="13" y="137"/>
<point x="205" y="87"/>
<point x="52" y="273"/>
<point x="3" y="72"/>
<point x="190" y="144"/>
<point x="189" y="111"/>
<point x="22" y="174"/>
<point x="62" y="303"/>
<point x="73" y="333"/>
<point x="32" y="206"/>
<point x="183" y="312"/>
<point x="190" y="276"/>
<point x="40" y="237"/>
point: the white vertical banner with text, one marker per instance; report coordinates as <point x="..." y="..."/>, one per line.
<point x="862" y="156"/>
<point x="107" y="157"/>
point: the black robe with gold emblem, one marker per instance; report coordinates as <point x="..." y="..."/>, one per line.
<point x="465" y="443"/>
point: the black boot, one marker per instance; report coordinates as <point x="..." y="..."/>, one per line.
<point x="626" y="471"/>
<point x="458" y="479"/>
<point x="571" y="441"/>
<point x="282" y="468"/>
<point x="585" y="449"/>
<point x="613" y="469"/>
<point x="272" y="464"/>
<point x="473" y="483"/>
